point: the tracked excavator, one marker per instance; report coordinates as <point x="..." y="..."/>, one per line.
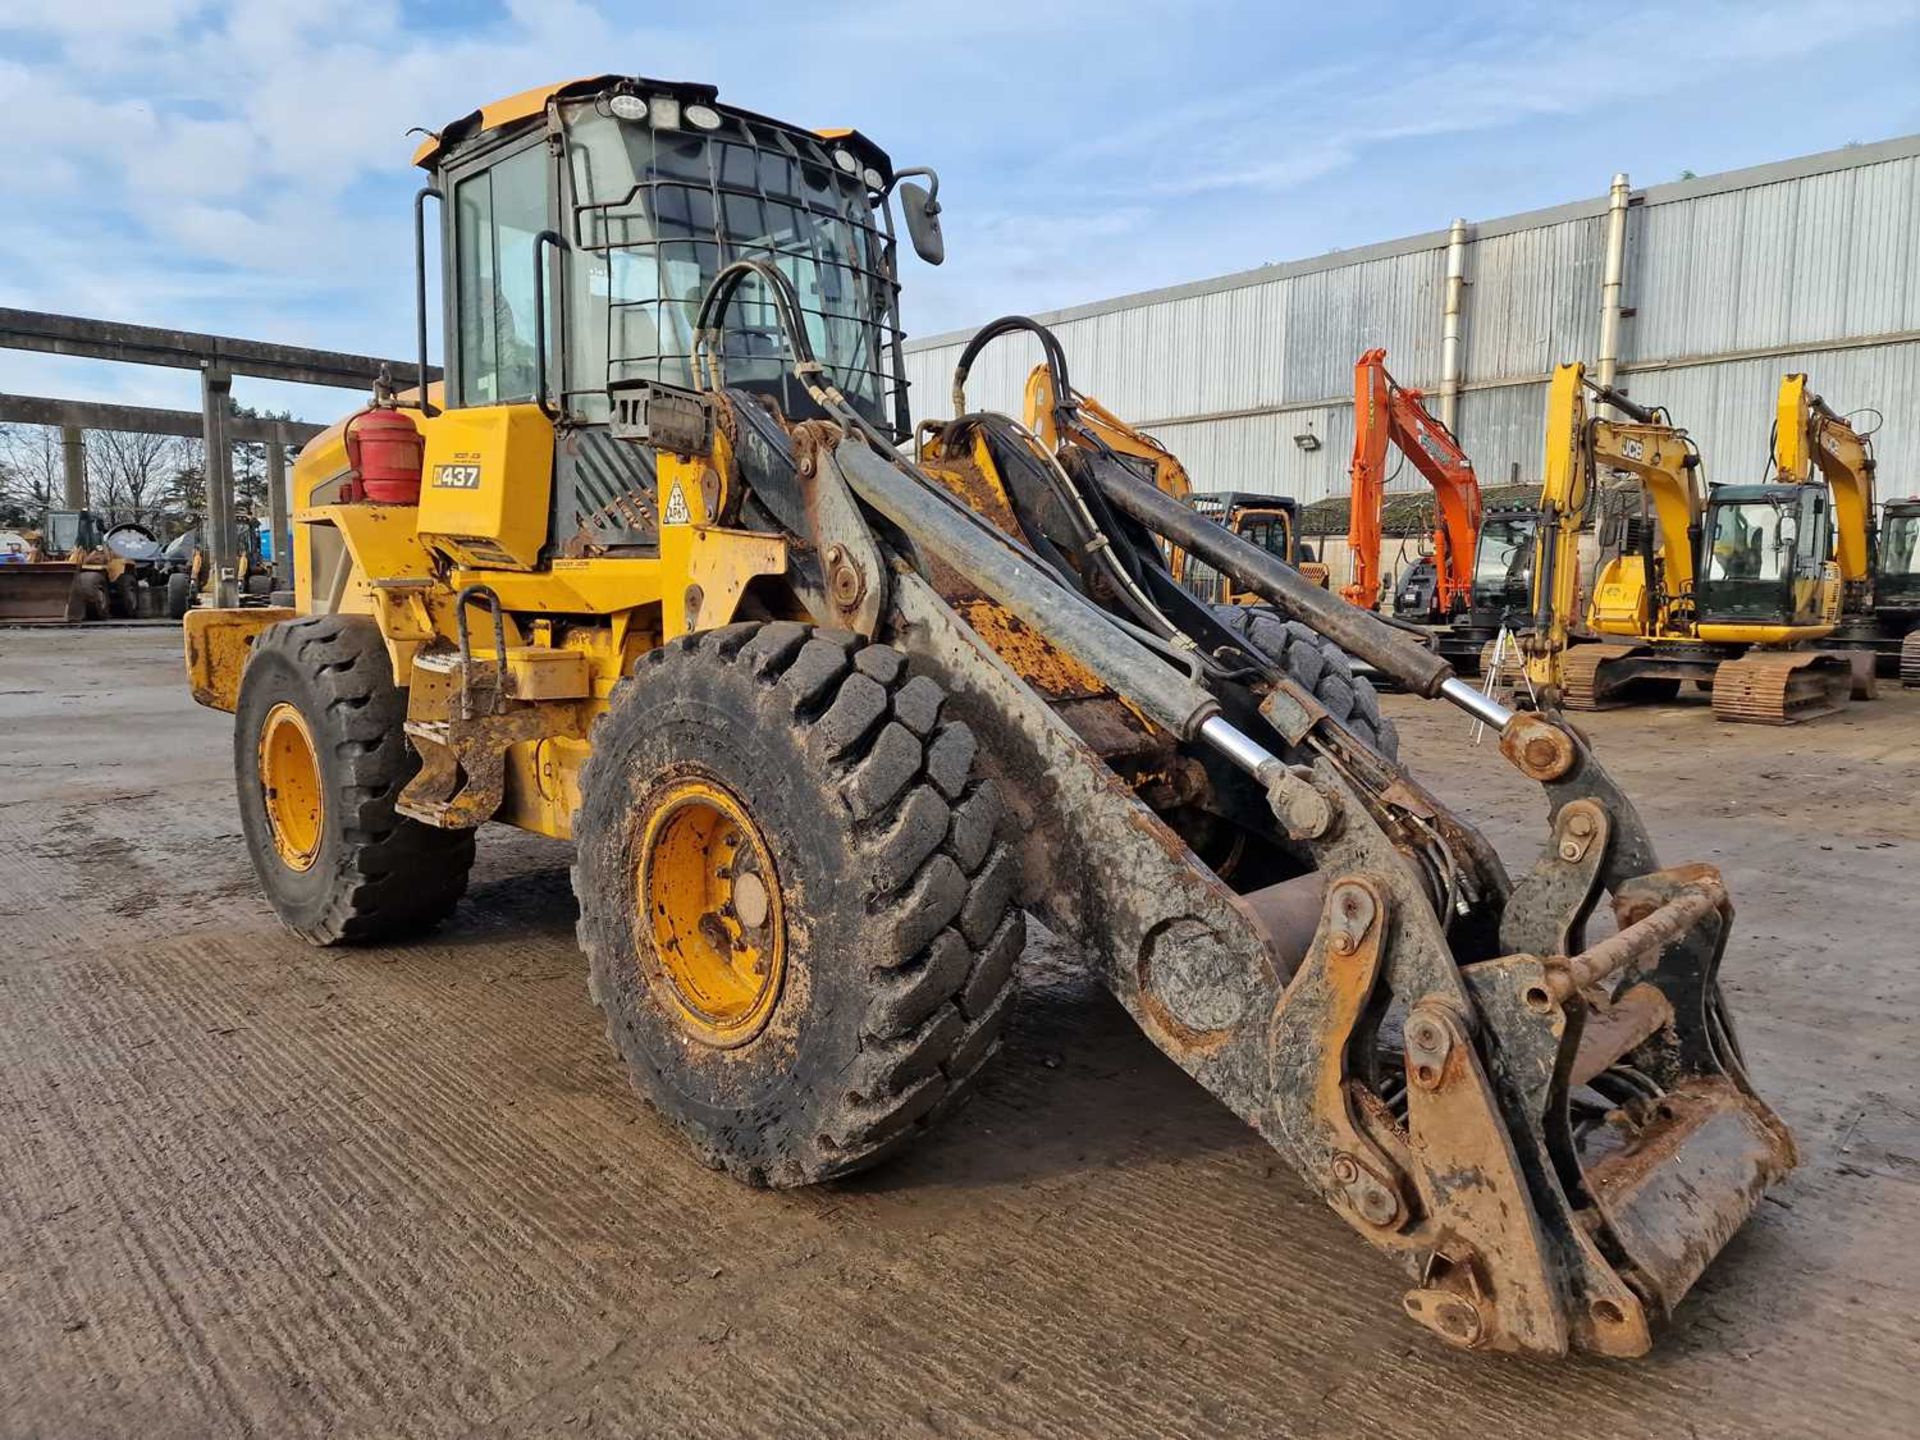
<point x="650" y="572"/>
<point x="1729" y="594"/>
<point x="1879" y="570"/>
<point x="1388" y="415"/>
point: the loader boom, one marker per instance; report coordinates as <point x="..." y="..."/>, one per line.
<point x="1388" y="414"/>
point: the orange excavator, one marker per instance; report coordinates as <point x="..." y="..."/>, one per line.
<point x="1387" y="413"/>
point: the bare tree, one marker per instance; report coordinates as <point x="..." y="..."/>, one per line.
<point x="129" y="474"/>
<point x="32" y="469"/>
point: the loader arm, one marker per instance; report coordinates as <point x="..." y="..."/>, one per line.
<point x="1388" y="414"/>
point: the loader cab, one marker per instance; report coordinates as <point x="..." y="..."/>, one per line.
<point x="62" y="532"/>
<point x="1767" y="557"/>
<point x="1896" y="581"/>
<point x="582" y="227"/>
<point x="1269" y="521"/>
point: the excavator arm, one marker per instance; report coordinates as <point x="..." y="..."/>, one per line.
<point x="1564" y="487"/>
<point x="1386" y="413"/>
<point x="1808" y="434"/>
<point x="1042" y="417"/>
<point x="1635" y="594"/>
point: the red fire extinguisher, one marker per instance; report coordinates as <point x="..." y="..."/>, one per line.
<point x="385" y="453"/>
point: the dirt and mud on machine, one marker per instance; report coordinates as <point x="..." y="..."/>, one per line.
<point x="822" y="720"/>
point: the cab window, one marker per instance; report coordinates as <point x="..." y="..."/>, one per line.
<point x="497" y="214"/>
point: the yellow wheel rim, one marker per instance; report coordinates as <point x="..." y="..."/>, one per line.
<point x="713" y="915"/>
<point x="296" y="802"/>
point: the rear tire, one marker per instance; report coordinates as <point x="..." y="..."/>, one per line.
<point x="359" y="871"/>
<point x="179" y="595"/>
<point x="123" y="596"/>
<point x="1317" y="665"/>
<point x="91" y="587"/>
<point x="862" y="1010"/>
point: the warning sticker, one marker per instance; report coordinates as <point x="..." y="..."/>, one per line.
<point x="676" y="511"/>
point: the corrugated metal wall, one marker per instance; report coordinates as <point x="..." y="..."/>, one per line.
<point x="1810" y="264"/>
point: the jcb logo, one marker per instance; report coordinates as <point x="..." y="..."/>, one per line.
<point x="456" y="477"/>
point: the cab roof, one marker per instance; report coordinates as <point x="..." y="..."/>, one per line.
<point x="529" y="103"/>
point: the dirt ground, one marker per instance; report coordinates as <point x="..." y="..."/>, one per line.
<point x="251" y="1188"/>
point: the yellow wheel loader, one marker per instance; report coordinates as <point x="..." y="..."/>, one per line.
<point x="822" y="721"/>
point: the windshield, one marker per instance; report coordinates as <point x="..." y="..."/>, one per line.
<point x="1503" y="563"/>
<point x="1268" y="531"/>
<point x="656" y="217"/>
<point x="1900" y="547"/>
<point x="1751" y="541"/>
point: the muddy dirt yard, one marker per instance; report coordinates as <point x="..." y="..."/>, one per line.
<point x="250" y="1188"/>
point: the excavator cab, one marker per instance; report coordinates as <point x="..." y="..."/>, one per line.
<point x="1766" y="560"/>
<point x="1896" y="585"/>
<point x="1503" y="563"/>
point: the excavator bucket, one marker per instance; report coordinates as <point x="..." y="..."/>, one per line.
<point x="40" y="593"/>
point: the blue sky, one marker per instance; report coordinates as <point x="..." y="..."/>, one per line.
<point x="242" y="167"/>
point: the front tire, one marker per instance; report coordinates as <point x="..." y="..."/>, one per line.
<point x="1318" y="666"/>
<point x="321" y="757"/>
<point x="798" y="915"/>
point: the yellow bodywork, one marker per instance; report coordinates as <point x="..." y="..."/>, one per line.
<point x="1627" y="601"/>
<point x="1809" y="436"/>
<point x="573" y="625"/>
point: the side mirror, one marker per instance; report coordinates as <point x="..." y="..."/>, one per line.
<point x="923" y="220"/>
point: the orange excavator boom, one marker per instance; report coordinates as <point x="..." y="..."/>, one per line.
<point x="1385" y="414"/>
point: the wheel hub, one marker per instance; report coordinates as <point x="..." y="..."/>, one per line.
<point x="712" y="912"/>
<point x="295" y="800"/>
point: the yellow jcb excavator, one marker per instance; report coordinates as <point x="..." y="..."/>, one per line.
<point x="1875" y="549"/>
<point x="1727" y="594"/>
<point x="651" y="574"/>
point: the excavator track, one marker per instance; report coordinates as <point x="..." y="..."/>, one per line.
<point x="1581" y="685"/>
<point x="1910" y="660"/>
<point x="1781" y="687"/>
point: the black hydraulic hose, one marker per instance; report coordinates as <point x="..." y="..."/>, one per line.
<point x="1354" y="630"/>
<point x="1056" y="357"/>
<point x="1607" y="395"/>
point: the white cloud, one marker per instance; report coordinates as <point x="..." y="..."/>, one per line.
<point x="241" y="164"/>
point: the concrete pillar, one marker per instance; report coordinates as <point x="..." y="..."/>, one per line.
<point x="73" y="455"/>
<point x="277" y="509"/>
<point x="216" y="403"/>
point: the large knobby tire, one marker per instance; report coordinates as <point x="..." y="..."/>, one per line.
<point x="123" y="596"/>
<point x="1318" y="665"/>
<point x="345" y="866"/>
<point x="881" y="928"/>
<point x="179" y="595"/>
<point x="91" y="588"/>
